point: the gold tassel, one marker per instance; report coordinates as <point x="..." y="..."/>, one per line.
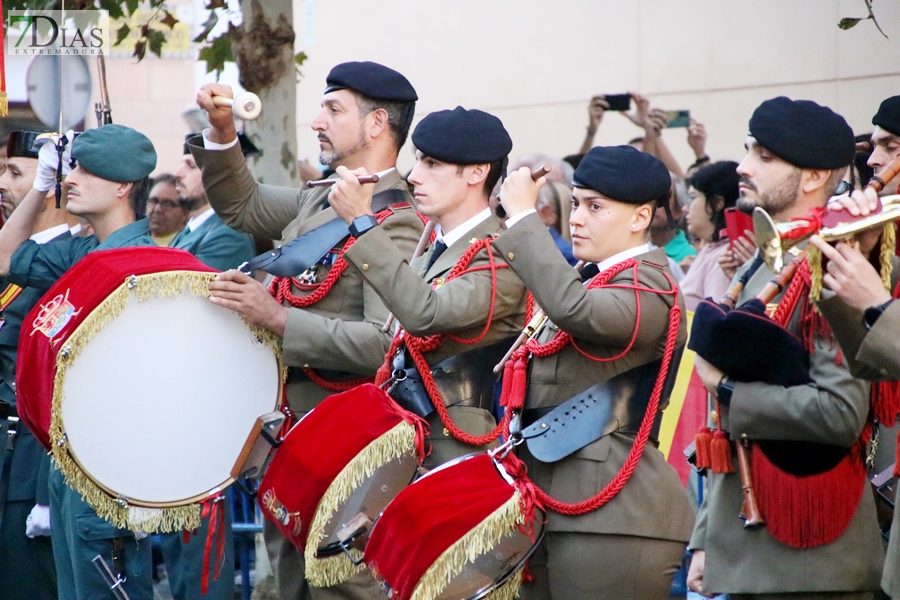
<point x="814" y="258"/>
<point x="392" y="445"/>
<point x="4" y="105"/>
<point x="482" y="539"/>
<point x="886" y="253"/>
<point x="509" y="589"/>
<point x="115" y="510"/>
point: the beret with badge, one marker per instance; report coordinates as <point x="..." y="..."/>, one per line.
<point x="371" y="79"/>
<point x="623" y="173"/>
<point x="462" y="137"/>
<point x="803" y="133"/>
<point x="115" y="153"/>
<point x="888" y="115"/>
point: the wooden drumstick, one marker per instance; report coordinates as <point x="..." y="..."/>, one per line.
<point x="540" y="172"/>
<point x="420" y="248"/>
<point x="363" y="179"/>
<point x="864" y="146"/>
<point x="884" y="176"/>
<point x="246" y="105"/>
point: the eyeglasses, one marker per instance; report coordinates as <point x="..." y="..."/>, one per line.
<point x="166" y="204"/>
<point x="844" y="187"/>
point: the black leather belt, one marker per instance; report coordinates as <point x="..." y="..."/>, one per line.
<point x="465" y="379"/>
<point x="298" y="375"/>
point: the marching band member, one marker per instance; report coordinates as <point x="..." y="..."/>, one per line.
<point x="110" y="179"/>
<point x="868" y="335"/>
<point x="460" y="156"/>
<point x="820" y="538"/>
<point x="329" y="317"/>
<point x="26" y="554"/>
<point x="614" y="331"/>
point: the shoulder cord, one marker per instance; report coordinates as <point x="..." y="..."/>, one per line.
<point x="562" y="339"/>
<point x="418" y="346"/>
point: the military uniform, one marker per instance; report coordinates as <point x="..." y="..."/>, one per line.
<point x="340" y="336"/>
<point x="425" y="305"/>
<point x="27" y="571"/>
<point x="606" y="553"/>
<point x="216" y="244"/>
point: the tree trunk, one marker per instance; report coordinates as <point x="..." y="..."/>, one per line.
<point x="264" y="52"/>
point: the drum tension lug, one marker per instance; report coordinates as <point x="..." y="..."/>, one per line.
<point x="352" y="532"/>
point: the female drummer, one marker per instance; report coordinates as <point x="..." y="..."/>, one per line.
<point x="613" y="545"/>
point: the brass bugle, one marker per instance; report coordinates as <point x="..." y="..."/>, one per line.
<point x="420" y="248"/>
<point x="363" y="179"/>
<point x="534" y="325"/>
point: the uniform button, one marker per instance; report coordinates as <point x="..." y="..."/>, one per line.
<point x="713" y="416"/>
<point x="305" y="365"/>
<point x="365" y="267"/>
<point x="883" y="371"/>
<point x="510" y="255"/>
<point x="446" y="432"/>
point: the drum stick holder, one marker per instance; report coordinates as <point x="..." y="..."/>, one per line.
<point x="260" y="442"/>
<point x="351" y="536"/>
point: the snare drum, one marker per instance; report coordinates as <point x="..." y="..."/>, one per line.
<point x="462" y="531"/>
<point x="334" y="473"/>
<point x="144" y="391"/>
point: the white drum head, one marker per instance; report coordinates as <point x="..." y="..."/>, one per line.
<point x="158" y="405"/>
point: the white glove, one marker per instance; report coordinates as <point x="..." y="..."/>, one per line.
<point x="38" y="521"/>
<point x="139" y="535"/>
<point x="48" y="160"/>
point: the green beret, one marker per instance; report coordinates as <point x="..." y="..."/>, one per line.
<point x="115" y="152"/>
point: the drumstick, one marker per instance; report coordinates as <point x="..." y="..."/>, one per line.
<point x="323" y="182"/>
<point x="420" y="248"/>
<point x="246" y="105"/>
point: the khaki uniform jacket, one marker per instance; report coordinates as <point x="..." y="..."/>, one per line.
<point x="653" y="503"/>
<point x="831" y="410"/>
<point x="342" y="332"/>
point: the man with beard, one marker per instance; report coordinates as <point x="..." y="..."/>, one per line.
<point x="206" y="236"/>
<point x="26" y="553"/>
<point x="868" y="332"/>
<point x="821" y="538"/>
<point x="164" y="213"/>
<point x="332" y="326"/>
<point x="111" y="179"/>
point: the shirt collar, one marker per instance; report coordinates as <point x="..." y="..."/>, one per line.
<point x="622" y="256"/>
<point x="195" y="222"/>
<point x="457" y="233"/>
<point x="42" y="237"/>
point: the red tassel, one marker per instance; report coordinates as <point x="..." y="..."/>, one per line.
<point x="507" y="382"/>
<point x="720" y="453"/>
<point x="527" y="575"/>
<point x="703" y="443"/>
<point x="806" y="512"/>
<point x="885" y="398"/>
<point x="516" y="397"/>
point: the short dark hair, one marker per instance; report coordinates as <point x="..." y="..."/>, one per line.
<point x="137" y="197"/>
<point x="718" y="180"/>
<point x="163" y="178"/>
<point x="495" y="171"/>
<point x="400" y="115"/>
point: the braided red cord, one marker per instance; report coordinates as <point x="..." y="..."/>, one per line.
<point x="529" y="306"/>
<point x="419" y="346"/>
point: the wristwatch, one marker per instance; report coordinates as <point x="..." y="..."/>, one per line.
<point x="871" y="314"/>
<point x="724" y="390"/>
<point x="362" y="224"/>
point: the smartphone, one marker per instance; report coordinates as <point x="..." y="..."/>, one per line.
<point x="619" y="102"/>
<point x="678" y="118"/>
<point x="736" y="222"/>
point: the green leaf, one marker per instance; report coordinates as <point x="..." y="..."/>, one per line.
<point x="217" y="53"/>
<point x="300" y="58"/>
<point x="123" y="32"/>
<point x="155" y="41"/>
<point x="849" y="22"/>
<point x="207" y="27"/>
<point x="114" y="7"/>
<point x="132" y="6"/>
<point x="169" y="20"/>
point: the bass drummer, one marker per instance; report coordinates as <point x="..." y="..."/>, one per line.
<point x="460" y="157"/>
<point x="619" y="324"/>
<point x="110" y="179"/>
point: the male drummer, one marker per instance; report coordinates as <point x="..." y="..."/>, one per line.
<point x="460" y="156"/>
<point x="111" y="178"/>
<point x="797" y="152"/>
<point x="206" y="236"/>
<point x="331" y="329"/>
<point x="868" y="333"/>
<point x="26" y="554"/>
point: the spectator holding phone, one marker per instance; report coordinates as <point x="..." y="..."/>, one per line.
<point x="713" y="189"/>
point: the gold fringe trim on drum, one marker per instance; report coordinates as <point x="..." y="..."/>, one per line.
<point x="115" y="510"/>
<point x="482" y="539"/>
<point x="509" y="589"/>
<point x="332" y="570"/>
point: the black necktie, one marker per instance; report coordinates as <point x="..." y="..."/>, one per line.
<point x="439" y="247"/>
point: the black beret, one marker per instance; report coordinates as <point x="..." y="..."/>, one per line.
<point x="21" y="143"/>
<point x="247" y="147"/>
<point x="623" y="173"/>
<point x="372" y="80"/>
<point x="803" y="133"/>
<point x="115" y="153"/>
<point x="462" y="137"/>
<point x="888" y="115"/>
